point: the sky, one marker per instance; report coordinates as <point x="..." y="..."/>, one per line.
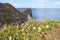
<point x="33" y="3"/>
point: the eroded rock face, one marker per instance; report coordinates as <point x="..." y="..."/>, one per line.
<point x="9" y="14"/>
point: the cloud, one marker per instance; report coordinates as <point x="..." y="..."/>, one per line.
<point x="41" y="1"/>
<point x="11" y="1"/>
<point x="24" y="5"/>
<point x="35" y="4"/>
<point x="56" y="3"/>
<point x="27" y="5"/>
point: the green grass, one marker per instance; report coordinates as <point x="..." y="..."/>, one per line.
<point x="32" y="30"/>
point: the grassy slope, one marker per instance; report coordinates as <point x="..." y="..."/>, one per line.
<point x="32" y="30"/>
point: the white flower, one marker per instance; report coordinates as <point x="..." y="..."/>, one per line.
<point x="10" y="38"/>
<point x="22" y="30"/>
<point x="30" y="24"/>
<point x="39" y="29"/>
<point x="47" y="26"/>
<point x="34" y="27"/>
<point x="22" y="24"/>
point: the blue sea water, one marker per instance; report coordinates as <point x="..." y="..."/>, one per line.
<point x="44" y="13"/>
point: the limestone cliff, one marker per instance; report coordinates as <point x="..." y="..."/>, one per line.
<point x="9" y="14"/>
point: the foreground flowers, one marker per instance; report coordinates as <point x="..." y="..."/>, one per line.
<point x="39" y="29"/>
<point x="10" y="38"/>
<point x="34" y="27"/>
<point x="31" y="30"/>
<point x="47" y="26"/>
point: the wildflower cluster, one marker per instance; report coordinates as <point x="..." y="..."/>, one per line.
<point x="31" y="30"/>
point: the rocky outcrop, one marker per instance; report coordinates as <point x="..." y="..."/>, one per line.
<point x="9" y="14"/>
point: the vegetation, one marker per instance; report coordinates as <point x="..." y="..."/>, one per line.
<point x="31" y="30"/>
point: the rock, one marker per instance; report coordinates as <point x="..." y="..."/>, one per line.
<point x="9" y="14"/>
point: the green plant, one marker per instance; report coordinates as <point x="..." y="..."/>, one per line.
<point x="31" y="30"/>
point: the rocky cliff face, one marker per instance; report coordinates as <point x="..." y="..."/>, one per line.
<point x="9" y="14"/>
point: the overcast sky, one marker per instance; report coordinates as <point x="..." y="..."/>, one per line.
<point x="33" y="3"/>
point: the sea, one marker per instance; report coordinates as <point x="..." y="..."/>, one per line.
<point x="44" y="13"/>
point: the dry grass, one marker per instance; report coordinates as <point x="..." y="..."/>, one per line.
<point x="31" y="30"/>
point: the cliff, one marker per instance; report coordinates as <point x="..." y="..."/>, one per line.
<point x="10" y="15"/>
